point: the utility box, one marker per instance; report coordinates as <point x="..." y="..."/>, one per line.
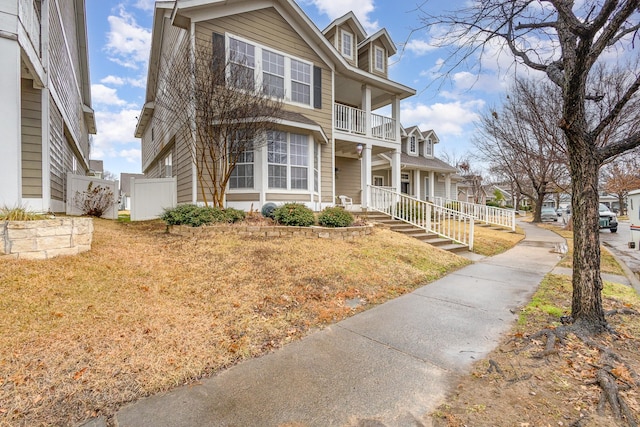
<point x="633" y="204"/>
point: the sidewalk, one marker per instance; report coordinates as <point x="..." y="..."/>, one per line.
<point x="388" y="366"/>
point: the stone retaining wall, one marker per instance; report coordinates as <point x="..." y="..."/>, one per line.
<point x="45" y="238"/>
<point x="340" y="233"/>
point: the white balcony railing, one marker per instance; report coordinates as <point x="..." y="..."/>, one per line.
<point x="443" y="221"/>
<point x="487" y="214"/>
<point x="354" y="120"/>
<point x="29" y="14"/>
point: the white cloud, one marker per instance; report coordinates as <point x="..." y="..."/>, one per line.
<point x="101" y="94"/>
<point x="113" y="80"/>
<point x="452" y="119"/>
<point x="147" y="5"/>
<point x="119" y="81"/>
<point x="133" y="155"/>
<point x="115" y="137"/>
<point x="419" y="47"/>
<point x="128" y="44"/>
<point x="335" y="9"/>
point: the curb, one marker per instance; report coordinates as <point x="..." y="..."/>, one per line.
<point x="633" y="279"/>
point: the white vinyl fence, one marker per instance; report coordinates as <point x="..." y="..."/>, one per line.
<point x="150" y="197"/>
<point x="77" y="184"/>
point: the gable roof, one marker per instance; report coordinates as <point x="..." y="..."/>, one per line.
<point x="352" y="21"/>
<point x="385" y="39"/>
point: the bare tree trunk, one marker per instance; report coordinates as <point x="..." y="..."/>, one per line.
<point x="537" y="213"/>
<point x="586" y="307"/>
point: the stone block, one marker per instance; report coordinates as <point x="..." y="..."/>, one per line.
<point x="32" y="255"/>
<point x="82" y="239"/>
<point x="83" y="248"/>
<point x="324" y="235"/>
<point x="16" y="233"/>
<point x="53" y="242"/>
<point x="22" y="245"/>
<point x="52" y="253"/>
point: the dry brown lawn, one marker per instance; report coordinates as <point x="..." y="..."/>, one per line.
<point x="493" y="242"/>
<point x="145" y="311"/>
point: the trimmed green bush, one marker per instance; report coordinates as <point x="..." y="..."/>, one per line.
<point x="294" y="214"/>
<point x="335" y="217"/>
<point x="196" y="216"/>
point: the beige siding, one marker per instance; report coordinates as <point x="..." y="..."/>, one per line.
<point x="31" y="140"/>
<point x="363" y="59"/>
<point x="65" y="71"/>
<point x="348" y="178"/>
<point x="243" y="197"/>
<point x="57" y="150"/>
<point x="183" y="167"/>
<point x="286" y="197"/>
<point x="277" y="34"/>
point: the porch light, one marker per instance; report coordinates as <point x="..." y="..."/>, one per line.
<point x="359" y="149"/>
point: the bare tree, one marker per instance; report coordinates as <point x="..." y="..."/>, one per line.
<point x="212" y="101"/>
<point x="620" y="177"/>
<point x="521" y="141"/>
<point x="567" y="41"/>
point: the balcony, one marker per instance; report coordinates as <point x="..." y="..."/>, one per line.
<point x="354" y="121"/>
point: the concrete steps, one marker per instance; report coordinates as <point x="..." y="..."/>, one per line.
<point x="412" y="231"/>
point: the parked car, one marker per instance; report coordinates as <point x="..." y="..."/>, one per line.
<point x="548" y="214"/>
<point x="607" y="218"/>
<point x="559" y="211"/>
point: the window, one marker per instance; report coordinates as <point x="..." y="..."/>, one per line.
<point x="316" y="167"/>
<point x="273" y="74"/>
<point x="404" y="183"/>
<point x="288" y="160"/>
<point x="242" y="174"/>
<point x="279" y="75"/>
<point x="378" y="59"/>
<point x="378" y="181"/>
<point x="412" y="144"/>
<point x="347" y="44"/>
<point x="428" y="149"/>
<point x="243" y="61"/>
<point x="166" y="166"/>
<point x="300" y="82"/>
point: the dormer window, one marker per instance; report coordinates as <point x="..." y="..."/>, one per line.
<point x="428" y="148"/>
<point x="347" y="44"/>
<point x="378" y="59"/>
<point x="413" y="145"/>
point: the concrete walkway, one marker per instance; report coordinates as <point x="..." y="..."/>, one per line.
<point x="388" y="366"/>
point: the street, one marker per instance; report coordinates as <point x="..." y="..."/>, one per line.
<point x="618" y="243"/>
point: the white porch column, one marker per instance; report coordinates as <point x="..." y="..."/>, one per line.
<point x="365" y="169"/>
<point x="447" y="186"/>
<point x="395" y="114"/>
<point x="10" y="127"/>
<point x="395" y="170"/>
<point x="366" y="106"/>
<point x="432" y="185"/>
<point x="416" y="184"/>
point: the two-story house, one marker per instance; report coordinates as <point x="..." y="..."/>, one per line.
<point x="45" y="107"/>
<point x="331" y="81"/>
<point x="423" y="175"/>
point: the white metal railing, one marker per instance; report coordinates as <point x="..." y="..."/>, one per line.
<point x="443" y="221"/>
<point x="29" y="14"/>
<point x="354" y="120"/>
<point x="483" y="213"/>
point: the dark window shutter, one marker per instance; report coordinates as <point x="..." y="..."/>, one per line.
<point x="317" y="87"/>
<point x="218" y="54"/>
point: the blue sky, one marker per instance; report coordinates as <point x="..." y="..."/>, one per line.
<point x="119" y="41"/>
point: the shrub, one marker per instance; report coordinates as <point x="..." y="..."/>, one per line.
<point x="94" y="201"/>
<point x="493" y="204"/>
<point x="18" y="214"/>
<point x="335" y="217"/>
<point x="294" y="214"/>
<point x="188" y="214"/>
<point x="196" y="216"/>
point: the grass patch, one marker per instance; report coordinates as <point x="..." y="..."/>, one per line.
<point x="145" y="311"/>
<point x="608" y="263"/>
<point x="490" y="242"/>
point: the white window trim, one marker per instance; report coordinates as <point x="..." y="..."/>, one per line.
<point x="288" y="165"/>
<point x="415" y="145"/>
<point x="287" y="68"/>
<point x="381" y="179"/>
<point x="377" y="49"/>
<point x="342" y="34"/>
<point x="428" y="144"/>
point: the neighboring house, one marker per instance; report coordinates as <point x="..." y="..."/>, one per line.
<point x="46" y="101"/>
<point x="96" y="168"/>
<point x="471" y="190"/>
<point x="125" y="189"/>
<point x="423" y="175"/>
<point x="329" y="141"/>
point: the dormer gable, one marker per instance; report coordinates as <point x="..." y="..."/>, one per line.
<point x="411" y="143"/>
<point x="346" y="33"/>
<point x="430" y="140"/>
<point x="374" y="52"/>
